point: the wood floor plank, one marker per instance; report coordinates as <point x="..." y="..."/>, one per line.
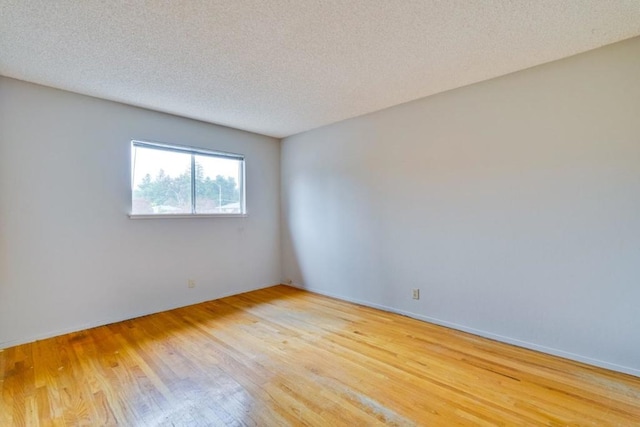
<point x="281" y="356"/>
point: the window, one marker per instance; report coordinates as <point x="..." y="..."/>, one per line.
<point x="174" y="180"/>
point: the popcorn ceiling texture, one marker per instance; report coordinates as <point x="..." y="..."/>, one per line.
<point x="282" y="67"/>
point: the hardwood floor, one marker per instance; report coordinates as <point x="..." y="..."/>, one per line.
<point x="281" y="356"/>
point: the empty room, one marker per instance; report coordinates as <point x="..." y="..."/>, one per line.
<point x="323" y="213"/>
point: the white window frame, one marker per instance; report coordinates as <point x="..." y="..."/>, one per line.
<point x="193" y="151"/>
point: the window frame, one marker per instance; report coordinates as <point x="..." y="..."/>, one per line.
<point x="192" y="151"/>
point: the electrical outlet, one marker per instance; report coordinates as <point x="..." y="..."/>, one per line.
<point x="416" y="294"/>
<point x="191" y="283"/>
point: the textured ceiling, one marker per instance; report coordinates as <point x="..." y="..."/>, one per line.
<point x="281" y="67"/>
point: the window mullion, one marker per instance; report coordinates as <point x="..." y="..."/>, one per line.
<point x="193" y="184"/>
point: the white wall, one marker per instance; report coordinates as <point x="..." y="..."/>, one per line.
<point x="69" y="255"/>
<point x="513" y="204"/>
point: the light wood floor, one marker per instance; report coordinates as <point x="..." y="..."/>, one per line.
<point x="281" y="356"/>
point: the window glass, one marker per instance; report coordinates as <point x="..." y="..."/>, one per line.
<point x="217" y="182"/>
<point x="174" y="180"/>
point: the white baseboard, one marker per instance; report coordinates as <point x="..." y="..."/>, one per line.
<point x="108" y="321"/>
<point x="481" y="333"/>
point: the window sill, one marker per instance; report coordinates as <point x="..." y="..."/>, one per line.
<point x="185" y="216"/>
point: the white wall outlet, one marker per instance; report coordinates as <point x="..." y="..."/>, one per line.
<point x="191" y="283"/>
<point x="416" y="294"/>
